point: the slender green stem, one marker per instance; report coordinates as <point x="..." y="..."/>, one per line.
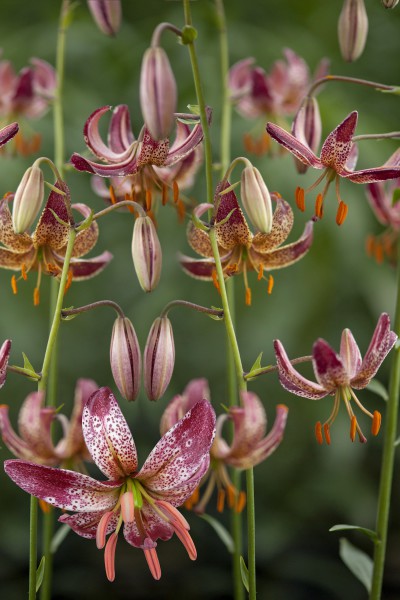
<point x="80" y="309"/>
<point x="344" y="79"/>
<point x="59" y="145"/>
<point x="376" y="136"/>
<point x="385" y="486"/>
<point x="226" y="112"/>
<point x="33" y="548"/>
<point x="251" y="533"/>
<point x="215" y="312"/>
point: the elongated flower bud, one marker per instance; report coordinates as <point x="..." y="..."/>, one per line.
<point x="4" y="356"/>
<point x="125" y="358"/>
<point x="106" y="14"/>
<point x="157" y="92"/>
<point x="146" y="253"/>
<point x="307" y="128"/>
<point x="159" y="358"/>
<point x="256" y="199"/>
<point x="389" y="3"/>
<point x="352" y="29"/>
<point x="28" y="199"/>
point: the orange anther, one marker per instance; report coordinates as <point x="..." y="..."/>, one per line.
<point x="270" y="284"/>
<point x="318" y="432"/>
<point x="221" y="501"/>
<point x="23" y="272"/>
<point x="231" y="493"/>
<point x="353" y="428"/>
<point x="181" y="210"/>
<point x="266" y="142"/>
<point x="260" y="272"/>
<point x="14" y="284"/>
<point x="341" y="214"/>
<point x="231" y="269"/>
<point x="248" y="142"/>
<point x="378" y="252"/>
<point x="164" y="194"/>
<point x="327" y="434"/>
<point x="46" y="508"/>
<point x="248" y="296"/>
<point x="36" y="297"/>
<point x="241" y="502"/>
<point x="319" y="206"/>
<point x="113" y="197"/>
<point x="175" y="189"/>
<point x="300" y="199"/>
<point x="69" y="281"/>
<point x="215" y="280"/>
<point x="376" y="422"/>
<point x="148" y="199"/>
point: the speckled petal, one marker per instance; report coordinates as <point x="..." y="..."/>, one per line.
<point x="86" y="239"/>
<point x="4" y="358"/>
<point x="85" y="523"/>
<point x="49" y="231"/>
<point x="107" y="435"/>
<point x="66" y="489"/>
<point x="350" y="353"/>
<point x="85" y="268"/>
<point x="292" y="380"/>
<point x="328" y="366"/>
<point x="199" y="239"/>
<point x="282" y="223"/>
<point x="382" y="342"/>
<point x="295" y="146"/>
<point x="337" y="146"/>
<point x="372" y="175"/>
<point x="17" y="242"/>
<point x="195" y="267"/>
<point x="14" y="261"/>
<point x="235" y="230"/>
<point x="155" y="528"/>
<point x="153" y="152"/>
<point x="196" y="390"/>
<point x="119" y="169"/>
<point x="177" y="457"/>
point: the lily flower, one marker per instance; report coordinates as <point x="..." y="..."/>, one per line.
<point x="338" y="374"/>
<point x="249" y="446"/>
<point x="35" y="422"/>
<point x="143" y="502"/>
<point x="337" y="159"/>
<point x="44" y="249"/>
<point x="241" y="250"/>
<point x="386" y="208"/>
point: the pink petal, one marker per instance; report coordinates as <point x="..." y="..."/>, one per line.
<point x="89" y="267"/>
<point x="14" y="443"/>
<point x="297" y="148"/>
<point x="198" y="268"/>
<point x="118" y="136"/>
<point x="155" y="528"/>
<point x="380" y="202"/>
<point x="350" y="353"/>
<point x="34" y="423"/>
<point x="196" y="390"/>
<point x="372" y="175"/>
<point x="328" y="366"/>
<point x="118" y="169"/>
<point x="108" y="436"/>
<point x="66" y="489"/>
<point x="85" y="523"/>
<point x="337" y="146"/>
<point x="292" y="380"/>
<point x="180" y="151"/>
<point x="8" y="132"/>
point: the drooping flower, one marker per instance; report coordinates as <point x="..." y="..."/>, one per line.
<point x="386" y="206"/>
<point x="241" y="250"/>
<point x="337" y="159"/>
<point x="143" y="502"/>
<point x="35" y="421"/>
<point x="106" y="14"/>
<point x="249" y="446"/>
<point x="338" y="374"/>
<point x="4" y="356"/>
<point x="44" y="249"/>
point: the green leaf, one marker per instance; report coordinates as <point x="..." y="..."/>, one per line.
<point x="376" y="387"/>
<point x="27" y="364"/>
<point x="40" y="573"/>
<point x="257" y="363"/>
<point x="227" y="190"/>
<point x="59" y="537"/>
<point x="195" y="109"/>
<point x="86" y="223"/>
<point x="244" y="573"/>
<point x="359" y="563"/>
<point x="221" y="531"/>
<point x="368" y="532"/>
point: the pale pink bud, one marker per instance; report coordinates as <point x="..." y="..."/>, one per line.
<point x="146" y="253"/>
<point x="125" y="358"/>
<point x="106" y="14"/>
<point x="256" y="199"/>
<point x="157" y="92"/>
<point x="159" y="358"/>
<point x="307" y="128"/>
<point x="352" y="29"/>
<point x="28" y="199"/>
<point x="390" y="3"/>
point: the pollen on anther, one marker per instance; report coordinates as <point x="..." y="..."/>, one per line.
<point x="44" y="506"/>
<point x="378" y="252"/>
<point x="69" y="280"/>
<point x="221" y="501"/>
<point x="318" y="433"/>
<point x="248" y="296"/>
<point x="319" y="206"/>
<point x="271" y="282"/>
<point x="36" y="297"/>
<point x="113" y="197"/>
<point x="376" y="422"/>
<point x="181" y="210"/>
<point x="164" y="194"/>
<point x="148" y="200"/>
<point x="215" y="280"/>
<point x="24" y="274"/>
<point x="300" y="199"/>
<point x="341" y="214"/>
<point x="327" y="434"/>
<point x="175" y="189"/>
<point x="241" y="502"/>
<point x="14" y="284"/>
<point x="370" y="245"/>
<point x="260" y="272"/>
<point x="353" y="428"/>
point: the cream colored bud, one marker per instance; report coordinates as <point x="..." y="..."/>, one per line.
<point x="28" y="199"/>
<point x="125" y="358"/>
<point x="158" y="94"/>
<point x="159" y="358"/>
<point x="256" y="199"/>
<point x="146" y="253"/>
<point x="352" y="29"/>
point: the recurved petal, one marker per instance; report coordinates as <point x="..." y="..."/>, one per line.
<point x="328" y="366"/>
<point x="176" y="459"/>
<point x="120" y="134"/>
<point x="282" y="223"/>
<point x="393" y="160"/>
<point x="14" y="443"/>
<point x="85" y="523"/>
<point x="184" y="147"/>
<point x="235" y="231"/>
<point x="49" y="231"/>
<point x="350" y="353"/>
<point x="371" y="175"/>
<point x="120" y="148"/>
<point x="34" y="423"/>
<point x="336" y="149"/>
<point x="8" y="132"/>
<point x="152" y="151"/>
<point x="17" y="242"/>
<point x="196" y="390"/>
<point x="107" y="435"/>
<point x="295" y="146"/>
<point x="198" y="239"/>
<point x="66" y="489"/>
<point x="14" y="260"/>
<point x="86" y="268"/>
<point x="196" y="267"/>
<point x="382" y="342"/>
<point x="125" y="167"/>
<point x="86" y="239"/>
<point x="292" y="380"/>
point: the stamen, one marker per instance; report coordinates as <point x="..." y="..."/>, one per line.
<point x="376" y="422"/>
<point x="187" y="541"/>
<point x="175" y="190"/>
<point x="181" y="210"/>
<point x="109" y="556"/>
<point x="14" y="284"/>
<point x="69" y="280"/>
<point x="231" y="493"/>
<point x="221" y="501"/>
<point x="271" y="282"/>
<point x="36" y="297"/>
<point x="24" y="274"/>
<point x="378" y="252"/>
<point x="300" y="199"/>
<point x="341" y="214"/>
<point x="248" y="296"/>
<point x="113" y="197"/>
<point x="45" y="507"/>
<point x="164" y="194"/>
<point x="148" y="199"/>
<point x="101" y="531"/>
<point x="153" y="562"/>
<point x="260" y="272"/>
<point x="172" y="514"/>
<point x="327" y="434"/>
<point x="192" y="500"/>
<point x="353" y="428"/>
<point x="319" y="206"/>
<point x="215" y="280"/>
<point x="318" y="433"/>
<point x="241" y="502"/>
<point x="127" y="507"/>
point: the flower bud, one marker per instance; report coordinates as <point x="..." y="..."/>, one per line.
<point x="159" y="358"/>
<point x="28" y="199"/>
<point x="146" y="253"/>
<point x="352" y="29"/>
<point x="307" y="128"/>
<point x="4" y="356"/>
<point x="256" y="199"/>
<point x="389" y="3"/>
<point x="106" y="14"/>
<point x="157" y="92"/>
<point x="125" y="358"/>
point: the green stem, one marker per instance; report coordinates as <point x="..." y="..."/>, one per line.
<point x="33" y="548"/>
<point x="251" y="533"/>
<point x="385" y="486"/>
<point x="58" y="115"/>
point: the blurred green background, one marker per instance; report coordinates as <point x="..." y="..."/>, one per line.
<point x="303" y="489"/>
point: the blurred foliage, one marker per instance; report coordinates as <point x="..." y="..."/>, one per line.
<point x="303" y="489"/>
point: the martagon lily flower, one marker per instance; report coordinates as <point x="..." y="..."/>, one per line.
<point x="35" y="422"/>
<point x="337" y="159"/>
<point x="241" y="250"/>
<point x="249" y="447"/>
<point x="338" y="374"/>
<point x="143" y="502"/>
<point x="385" y="203"/>
<point x="44" y="249"/>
